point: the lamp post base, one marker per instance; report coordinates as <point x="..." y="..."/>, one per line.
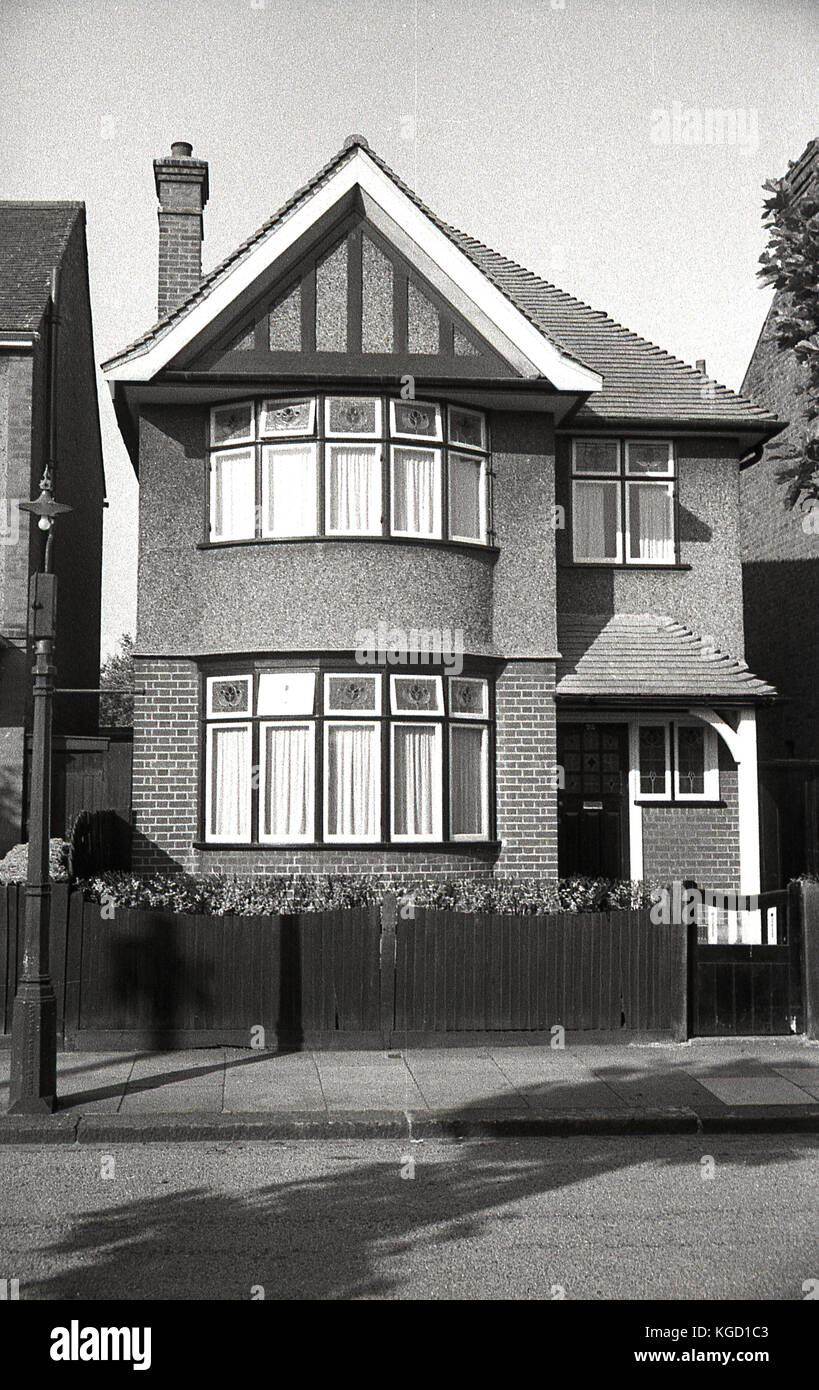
<point x="33" y="1089"/>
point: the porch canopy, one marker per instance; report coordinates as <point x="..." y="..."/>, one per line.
<point x="650" y="662"/>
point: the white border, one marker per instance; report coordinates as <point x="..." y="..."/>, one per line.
<point x="595" y="439"/>
<point x="484" y="834"/>
<point x="218" y="726"/>
<point x="610" y="480"/>
<point x="284" y="444"/>
<point x="460" y="715"/>
<point x="645" y="721"/>
<point x="349" y="714"/>
<point x="436" y="835"/>
<point x="270" y="403"/>
<point x="483" y="501"/>
<point x="421" y="713"/>
<point x="420" y="439"/>
<point x="437" y="533"/>
<point x="360" y="170"/>
<point x="213" y="535"/>
<point x="290" y="713"/>
<point x="647" y="481"/>
<point x="351" y="839"/>
<point x="461" y="444"/>
<point x="310" y="726"/>
<point x="223" y="444"/>
<point x="710" y="758"/>
<point x="664" y="473"/>
<point x="353" y="434"/>
<point x="224" y="715"/>
<point x="378" y="504"/>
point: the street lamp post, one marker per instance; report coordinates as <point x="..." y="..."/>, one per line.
<point x="34" y="1021"/>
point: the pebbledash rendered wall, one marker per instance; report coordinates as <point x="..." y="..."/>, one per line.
<point x="197" y="600"/>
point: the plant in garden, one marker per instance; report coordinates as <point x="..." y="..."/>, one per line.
<point x="791" y="265"/>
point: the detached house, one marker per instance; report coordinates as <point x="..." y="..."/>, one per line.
<point x="48" y="413"/>
<point x="439" y="567"/>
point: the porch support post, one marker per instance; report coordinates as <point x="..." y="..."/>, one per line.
<point x="741" y="743"/>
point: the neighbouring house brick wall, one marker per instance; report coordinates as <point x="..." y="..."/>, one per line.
<point x="526" y="742"/>
<point x="166" y="764"/>
<point x="695" y="842"/>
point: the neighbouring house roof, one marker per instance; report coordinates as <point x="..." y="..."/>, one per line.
<point x="639" y="380"/>
<point x="636" y="655"/>
<point x="33" y="237"/>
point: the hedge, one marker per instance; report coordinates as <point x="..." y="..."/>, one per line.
<point x="220" y="895"/>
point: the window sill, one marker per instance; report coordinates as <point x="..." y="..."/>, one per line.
<point x="617" y="565"/>
<point x="437" y="846"/>
<point x="680" y="801"/>
<point x="481" y="547"/>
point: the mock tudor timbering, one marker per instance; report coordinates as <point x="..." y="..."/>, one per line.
<point x="301" y="484"/>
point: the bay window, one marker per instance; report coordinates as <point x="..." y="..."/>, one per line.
<point x="623" y="501"/>
<point x="348" y="466"/>
<point x="346" y="757"/>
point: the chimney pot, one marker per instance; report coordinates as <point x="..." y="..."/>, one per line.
<point x="180" y="149"/>
<point x="701" y="365"/>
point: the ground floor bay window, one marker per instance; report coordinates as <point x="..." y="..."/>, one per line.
<point x="346" y="757"/>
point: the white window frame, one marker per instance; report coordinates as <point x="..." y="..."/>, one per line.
<point x="432" y="439"/>
<point x="213" y="727"/>
<point x="378" y="507"/>
<point x="271" y="404"/>
<point x="464" y="715"/>
<point x="484" y="834"/>
<point x="351" y="714"/>
<point x="330" y="724"/>
<point x="427" y="714"/>
<point x="280" y="446"/>
<point x="307" y="685"/>
<point x="613" y="481"/>
<point x="665" y="795"/>
<point x="459" y="444"/>
<point x="376" y="433"/>
<point x="437" y="834"/>
<point x="667" y="473"/>
<point x="215" y="455"/>
<point x="595" y="439"/>
<point x="310" y="835"/>
<point x="483" y="501"/>
<point x="646" y="480"/>
<point x="710" y="790"/>
<point x="436" y="533"/>
<point x="224" y="444"/>
<point x="224" y="715"/>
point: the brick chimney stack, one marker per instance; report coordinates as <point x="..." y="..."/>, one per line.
<point x="182" y="189"/>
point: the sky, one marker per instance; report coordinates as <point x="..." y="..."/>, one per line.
<point x="568" y="134"/>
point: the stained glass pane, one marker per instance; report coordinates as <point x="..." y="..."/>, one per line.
<point x="595" y="455"/>
<point x="331" y="302"/>
<point x="359" y="415"/>
<point x="423" y="325"/>
<point x="691" y="752"/>
<point x="377" y="300"/>
<point x="353" y="694"/>
<point x="652" y="742"/>
<point x="467" y="427"/>
<point x="285" y="323"/>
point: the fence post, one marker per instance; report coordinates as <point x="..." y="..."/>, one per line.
<point x="387" y="955"/>
<point x="680" y="945"/>
<point x="810" y="956"/>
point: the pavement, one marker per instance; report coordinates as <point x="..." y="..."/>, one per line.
<point x="702" y="1086"/>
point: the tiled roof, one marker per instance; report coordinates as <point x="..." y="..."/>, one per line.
<point x="641" y="381"/>
<point x="645" y="654"/>
<point x="33" y="237"/>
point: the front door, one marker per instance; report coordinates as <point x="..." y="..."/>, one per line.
<point x="593" y="804"/>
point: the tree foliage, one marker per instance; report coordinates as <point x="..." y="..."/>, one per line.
<point x="117" y="675"/>
<point x="790" y="264"/>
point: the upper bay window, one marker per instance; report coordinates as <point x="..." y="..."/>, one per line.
<point x="623" y="501"/>
<point x="348" y="466"/>
<point x="346" y="757"/>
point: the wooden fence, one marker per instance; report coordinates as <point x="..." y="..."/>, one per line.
<point x="359" y="977"/>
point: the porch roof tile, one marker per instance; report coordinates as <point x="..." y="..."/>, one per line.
<point x="625" y="655"/>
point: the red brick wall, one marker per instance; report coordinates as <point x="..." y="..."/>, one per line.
<point x="180" y="258"/>
<point x="526" y="756"/>
<point x="695" y="842"/>
<point x="166" y="764"/>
